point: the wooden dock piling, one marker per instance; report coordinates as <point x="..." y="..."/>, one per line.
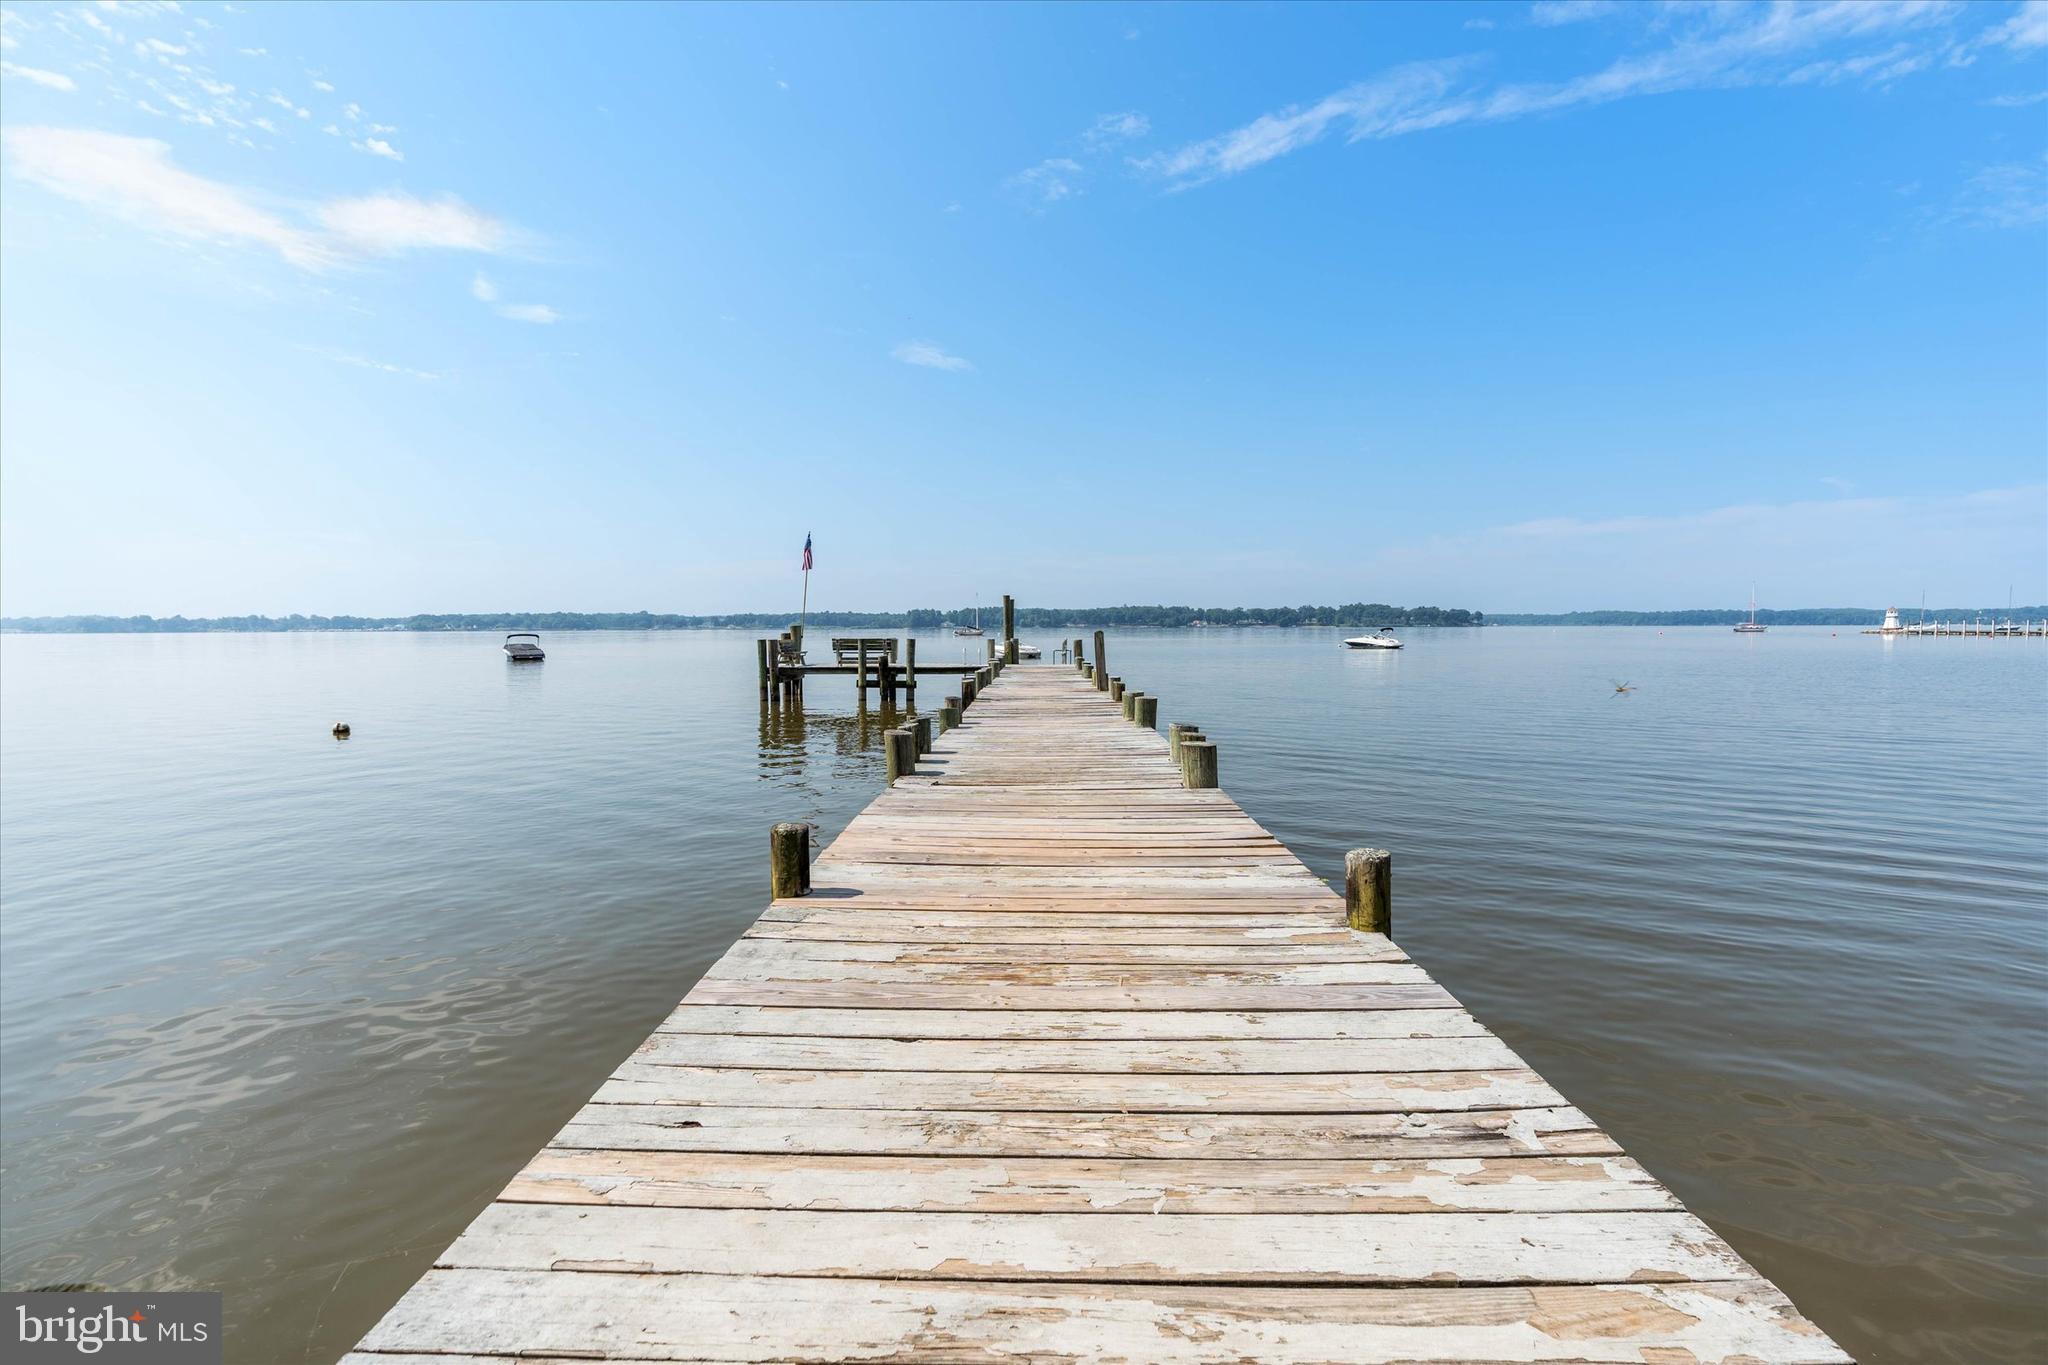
<point x="1198" y="762"/>
<point x="922" y="728"/>
<point x="899" y="755"/>
<point x="949" y="714"/>
<point x="1148" y="712"/>
<point x="1062" y="1059"/>
<point x="1101" y="664"/>
<point x="1369" y="890"/>
<point x="789" y="860"/>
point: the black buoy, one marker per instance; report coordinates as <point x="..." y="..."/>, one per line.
<point x="341" y="729"/>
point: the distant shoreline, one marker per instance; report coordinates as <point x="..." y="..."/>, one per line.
<point x="1353" y="615"/>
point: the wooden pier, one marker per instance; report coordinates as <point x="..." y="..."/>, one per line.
<point x="1063" y="1057"/>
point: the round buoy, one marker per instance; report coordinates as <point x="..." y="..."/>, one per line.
<point x="341" y="729"/>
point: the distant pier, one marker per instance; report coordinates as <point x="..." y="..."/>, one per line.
<point x="1965" y="630"/>
<point x="1056" y="1054"/>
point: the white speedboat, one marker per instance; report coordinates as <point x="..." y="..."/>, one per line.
<point x="523" y="647"/>
<point x="1025" y="651"/>
<point x="1383" y="640"/>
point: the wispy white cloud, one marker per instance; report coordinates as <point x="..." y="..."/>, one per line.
<point x="1048" y="182"/>
<point x="135" y="179"/>
<point x="1728" y="47"/>
<point x="484" y="289"/>
<point x="1062" y="177"/>
<point x="324" y="87"/>
<point x="1554" y="13"/>
<point x="253" y="51"/>
<point x="1112" y="129"/>
<point x="930" y="355"/>
<point x="377" y="146"/>
<point x="390" y="224"/>
<point x="362" y="362"/>
<point x="2009" y="195"/>
<point x="49" y="80"/>
<point x="159" y="47"/>
<point x="529" y="312"/>
<point x="1403" y="99"/>
<point x="2025" y="30"/>
<point x="2017" y="101"/>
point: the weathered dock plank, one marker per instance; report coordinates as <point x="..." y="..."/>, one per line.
<point x="1061" y="1059"/>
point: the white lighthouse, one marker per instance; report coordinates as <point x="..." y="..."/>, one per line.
<point x="1891" y="624"/>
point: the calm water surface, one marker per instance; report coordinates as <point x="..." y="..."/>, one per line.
<point x="279" y="1014"/>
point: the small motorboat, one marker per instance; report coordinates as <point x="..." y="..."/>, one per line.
<point x="1025" y="651"/>
<point x="523" y="647"/>
<point x="1383" y="640"/>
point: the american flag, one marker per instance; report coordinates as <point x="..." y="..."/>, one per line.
<point x="807" y="552"/>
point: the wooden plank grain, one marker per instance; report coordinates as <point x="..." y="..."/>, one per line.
<point x="1048" y="1185"/>
<point x="1367" y="1092"/>
<point x="1476" y="1052"/>
<point x="632" y="1317"/>
<point x="979" y="1132"/>
<point x="1110" y="1248"/>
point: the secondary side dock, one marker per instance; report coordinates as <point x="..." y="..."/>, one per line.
<point x="1061" y="1059"/>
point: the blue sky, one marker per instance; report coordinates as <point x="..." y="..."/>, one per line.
<point x="391" y="308"/>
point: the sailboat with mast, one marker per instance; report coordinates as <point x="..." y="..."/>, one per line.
<point x="1750" y="627"/>
<point x="974" y="629"/>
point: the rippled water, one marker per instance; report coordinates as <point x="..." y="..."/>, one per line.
<point x="279" y="1014"/>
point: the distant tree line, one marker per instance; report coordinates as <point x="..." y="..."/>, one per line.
<point x="922" y="618"/>
<point x="1800" y="616"/>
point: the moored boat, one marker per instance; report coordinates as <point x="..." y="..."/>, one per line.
<point x="523" y="647"/>
<point x="1750" y="627"/>
<point x="1384" y="639"/>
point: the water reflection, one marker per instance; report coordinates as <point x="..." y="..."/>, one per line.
<point x="793" y="737"/>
